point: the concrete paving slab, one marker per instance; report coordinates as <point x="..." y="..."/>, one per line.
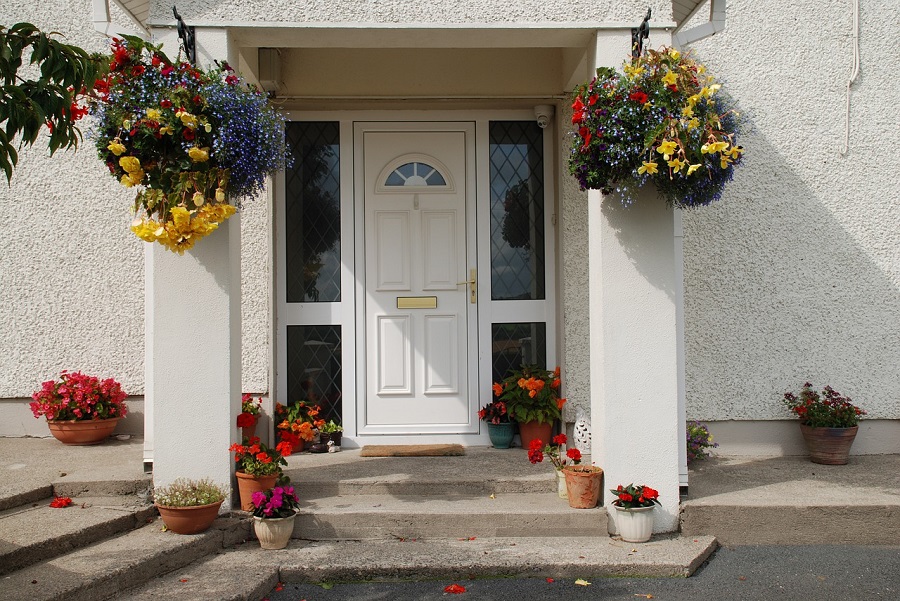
<point x="790" y="500"/>
<point x="38" y="532"/>
<point x="31" y="467"/>
<point x="358" y="517"/>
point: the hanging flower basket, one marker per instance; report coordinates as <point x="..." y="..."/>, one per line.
<point x="193" y="142"/>
<point x="663" y="120"/>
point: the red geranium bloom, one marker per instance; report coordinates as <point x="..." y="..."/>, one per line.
<point x="166" y="103"/>
<point x="188" y="134"/>
<point x="246" y="420"/>
<point x="60" y="502"/>
<point x="638" y="96"/>
<point x="559" y="439"/>
<point x="137" y="70"/>
<point x="573" y="454"/>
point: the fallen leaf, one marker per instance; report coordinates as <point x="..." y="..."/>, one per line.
<point x="327" y="586"/>
<point x="582" y="582"/>
<point x="550" y="580"/>
<point x="581" y="557"/>
<point x="644" y="596"/>
<point x="742" y="578"/>
<point x="492" y="496"/>
<point x="455" y="589"/>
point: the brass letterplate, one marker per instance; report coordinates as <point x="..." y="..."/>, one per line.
<point x="417" y="302"/>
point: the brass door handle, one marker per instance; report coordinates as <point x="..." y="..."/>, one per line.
<point x="472" y="282"/>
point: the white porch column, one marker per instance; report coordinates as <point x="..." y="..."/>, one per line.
<point x="193" y="339"/>
<point x="633" y="298"/>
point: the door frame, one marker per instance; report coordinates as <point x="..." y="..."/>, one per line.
<point x="345" y="313"/>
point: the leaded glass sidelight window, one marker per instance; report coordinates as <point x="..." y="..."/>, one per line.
<point x="517" y="211"/>
<point x="313" y="213"/>
<point x="314" y="368"/>
<point x="516" y="344"/>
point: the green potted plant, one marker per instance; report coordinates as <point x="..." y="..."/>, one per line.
<point x="537" y="450"/>
<point x="663" y="120"/>
<point x="189" y="506"/>
<point x="698" y="441"/>
<point x="634" y="511"/>
<point x="500" y="429"/>
<point x="80" y="409"/>
<point x="829" y="423"/>
<point x="274" y="511"/>
<point x="331" y="431"/>
<point x="193" y="142"/>
<point x="259" y="467"/>
<point x="296" y="423"/>
<point x="532" y="399"/>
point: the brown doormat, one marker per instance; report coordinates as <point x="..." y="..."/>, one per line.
<point x="412" y="450"/>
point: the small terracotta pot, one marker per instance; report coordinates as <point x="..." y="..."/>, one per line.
<point x="86" y="432"/>
<point x="829" y="446"/>
<point x="247" y="485"/>
<point x="535" y="430"/>
<point x="583" y="485"/>
<point x="189" y="520"/>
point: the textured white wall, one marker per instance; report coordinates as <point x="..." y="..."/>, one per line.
<point x="795" y="274"/>
<point x="409" y="11"/>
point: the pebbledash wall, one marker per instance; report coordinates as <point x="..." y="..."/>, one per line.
<point x="794" y="275"/>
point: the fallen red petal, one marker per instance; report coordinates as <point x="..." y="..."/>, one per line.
<point x="455" y="589"/>
<point x="183" y="580"/>
<point x="59" y="502"/>
<point x="279" y="587"/>
<point x="550" y="580"/>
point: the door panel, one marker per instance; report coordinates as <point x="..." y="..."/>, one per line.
<point x="418" y="360"/>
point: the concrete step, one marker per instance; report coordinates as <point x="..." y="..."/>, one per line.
<point x="227" y="576"/>
<point x="37" y="532"/>
<point x="104" y="569"/>
<point x="359" y="517"/>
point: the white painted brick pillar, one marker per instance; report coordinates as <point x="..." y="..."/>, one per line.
<point x="193" y="338"/>
<point x="633" y="298"/>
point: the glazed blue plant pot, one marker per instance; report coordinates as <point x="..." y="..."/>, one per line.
<point x="501" y="435"/>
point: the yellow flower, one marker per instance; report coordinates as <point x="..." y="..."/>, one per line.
<point x="693" y="99"/>
<point x="714" y="88"/>
<point x="669" y="78"/>
<point x="687" y="111"/>
<point x="198" y="199"/>
<point x="734" y="152"/>
<point x="648" y="167"/>
<point x="116" y="147"/>
<point x="724" y="162"/>
<point x="677" y="164"/>
<point x="701" y="69"/>
<point x="693" y="123"/>
<point x="130" y="164"/>
<point x="674" y="53"/>
<point x="199" y="155"/>
<point x="153" y="114"/>
<point x="693" y="168"/>
<point x="207" y="128"/>
<point x="136" y="176"/>
<point x="188" y="120"/>
<point x="165" y="130"/>
<point x="126" y="124"/>
<point x="220" y="195"/>
<point x="126" y="181"/>
<point x="666" y="148"/>
<point x="633" y="71"/>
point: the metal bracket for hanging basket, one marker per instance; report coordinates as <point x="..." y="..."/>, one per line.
<point x="638" y="35"/>
<point x="186" y="35"/>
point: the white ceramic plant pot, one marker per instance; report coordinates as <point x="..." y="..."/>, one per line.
<point x="561" y="485"/>
<point x="635" y="525"/>
<point x="273" y="533"/>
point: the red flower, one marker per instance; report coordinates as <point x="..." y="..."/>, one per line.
<point x="121" y="55"/>
<point x="638" y="96"/>
<point x="649" y="493"/>
<point x="536" y="445"/>
<point x="578" y="110"/>
<point x="188" y="134"/>
<point x="263" y="457"/>
<point x="137" y="70"/>
<point x="573" y="454"/>
<point x="156" y="61"/>
<point x="246" y="420"/>
<point x="560" y="403"/>
<point x="231" y="79"/>
<point x="284" y="447"/>
<point x="60" y="502"/>
<point x="673" y="87"/>
<point x="168" y="69"/>
<point x="498" y="389"/>
<point x="197" y="99"/>
<point x="559" y="439"/>
<point x="455" y="589"/>
<point x="166" y="103"/>
<point x="625" y="497"/>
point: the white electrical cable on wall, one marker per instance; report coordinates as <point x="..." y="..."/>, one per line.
<point x="854" y="73"/>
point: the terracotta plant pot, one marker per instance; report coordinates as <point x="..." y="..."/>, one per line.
<point x="247" y="485"/>
<point x="273" y="533"/>
<point x="636" y="524"/>
<point x="829" y="446"/>
<point x="535" y="430"/>
<point x="583" y="484"/>
<point x="189" y="520"/>
<point x="501" y="434"/>
<point x="75" y="432"/>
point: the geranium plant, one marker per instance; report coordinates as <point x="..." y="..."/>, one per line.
<point x="537" y="451"/>
<point x="632" y="496"/>
<point x="192" y="141"/>
<point x="296" y="422"/>
<point x="531" y="394"/>
<point x="494" y="412"/>
<point x="828" y="410"/>
<point x="698" y="441"/>
<point x="258" y="459"/>
<point x="250" y="409"/>
<point x="79" y="397"/>
<point x="663" y="120"/>
<point x="278" y="502"/>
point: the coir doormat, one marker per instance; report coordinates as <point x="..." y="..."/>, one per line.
<point x="412" y="450"/>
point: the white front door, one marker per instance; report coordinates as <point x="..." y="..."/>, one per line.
<point x="419" y="311"/>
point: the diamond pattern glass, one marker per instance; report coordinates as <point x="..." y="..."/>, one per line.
<point x="517" y="211"/>
<point x="516" y="344"/>
<point x="314" y="368"/>
<point x="313" y="214"/>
